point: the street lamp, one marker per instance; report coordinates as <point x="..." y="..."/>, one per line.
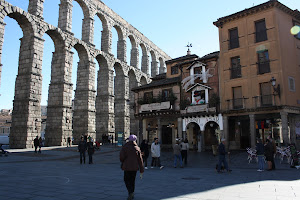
<point x="276" y="89"/>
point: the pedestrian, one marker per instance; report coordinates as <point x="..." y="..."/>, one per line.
<point x="260" y="154"/>
<point x="82" y="146"/>
<point x="184" y="150"/>
<point x="91" y="150"/>
<point x="269" y="154"/>
<point x="177" y="154"/>
<point x="40" y="144"/>
<point x="69" y="142"/>
<point x="155" y="152"/>
<point x="36" y="143"/>
<point x="272" y="141"/>
<point x="131" y="159"/>
<point x="222" y="156"/>
<point x="145" y="152"/>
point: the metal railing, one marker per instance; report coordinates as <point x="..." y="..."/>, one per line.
<point x="236" y="72"/>
<point x="264" y="101"/>
<point x="236" y="104"/>
<point x="263" y="67"/>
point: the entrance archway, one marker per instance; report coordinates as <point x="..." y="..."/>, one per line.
<point x="193" y="134"/>
<point x="211" y="134"/>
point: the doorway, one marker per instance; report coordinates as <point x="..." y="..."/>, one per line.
<point x="166" y="135"/>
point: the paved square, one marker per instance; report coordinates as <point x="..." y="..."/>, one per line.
<point x="56" y="174"/>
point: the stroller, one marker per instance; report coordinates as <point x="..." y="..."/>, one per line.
<point x="2" y="151"/>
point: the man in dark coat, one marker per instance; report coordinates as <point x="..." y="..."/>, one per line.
<point x="222" y="158"/>
<point x="145" y="152"/>
<point x="82" y="146"/>
<point x="91" y="150"/>
<point x="36" y="143"/>
<point x="131" y="159"/>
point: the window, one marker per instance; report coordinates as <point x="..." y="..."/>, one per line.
<point x="174" y="70"/>
<point x="148" y="97"/>
<point x="263" y="62"/>
<point x="197" y="70"/>
<point x="260" y="31"/>
<point x="166" y="94"/>
<point x="237" y="98"/>
<point x="292" y="84"/>
<point x="234" y="38"/>
<point x="235" y="67"/>
<point x="265" y="94"/>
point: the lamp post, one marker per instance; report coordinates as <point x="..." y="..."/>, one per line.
<point x="276" y="89"/>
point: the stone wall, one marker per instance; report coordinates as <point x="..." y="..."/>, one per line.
<point x="93" y="113"/>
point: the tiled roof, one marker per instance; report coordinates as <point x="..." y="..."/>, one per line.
<point x="255" y="9"/>
<point x="158" y="83"/>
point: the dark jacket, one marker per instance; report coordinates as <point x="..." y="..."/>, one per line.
<point x="82" y="146"/>
<point x="269" y="149"/>
<point x="131" y="157"/>
<point x="221" y="149"/>
<point x="145" y="149"/>
<point x="260" y="149"/>
<point x="90" y="148"/>
<point x="36" y="142"/>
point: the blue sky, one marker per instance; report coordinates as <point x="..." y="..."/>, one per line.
<point x="170" y="24"/>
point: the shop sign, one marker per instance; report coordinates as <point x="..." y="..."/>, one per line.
<point x="155" y="106"/>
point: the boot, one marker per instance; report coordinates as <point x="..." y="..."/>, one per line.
<point x="130" y="196"/>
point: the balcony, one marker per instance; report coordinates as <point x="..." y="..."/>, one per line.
<point x="236" y="104"/>
<point x="263" y="67"/>
<point x="264" y="101"/>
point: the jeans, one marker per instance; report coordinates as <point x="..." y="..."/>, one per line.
<point x="82" y="155"/>
<point x="261" y="162"/>
<point x="175" y="160"/>
<point x="129" y="179"/>
<point x="90" y="158"/>
<point x="222" y="159"/>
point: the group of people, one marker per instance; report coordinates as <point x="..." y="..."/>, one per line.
<point x="38" y="143"/>
<point x="155" y="153"/>
<point x="266" y="150"/>
<point x="84" y="146"/>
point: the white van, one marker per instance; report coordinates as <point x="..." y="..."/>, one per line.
<point x="4" y="139"/>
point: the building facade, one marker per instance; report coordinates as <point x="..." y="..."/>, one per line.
<point x="260" y="75"/>
<point x="182" y="103"/>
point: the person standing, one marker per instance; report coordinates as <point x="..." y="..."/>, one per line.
<point x="155" y="152"/>
<point x="222" y="156"/>
<point x="177" y="154"/>
<point x="260" y="154"/>
<point x="40" y="144"/>
<point x="272" y="141"/>
<point x="145" y="152"/>
<point x="91" y="150"/>
<point x="131" y="159"/>
<point x="269" y="154"/>
<point x="82" y="146"/>
<point x="69" y="142"/>
<point x="36" y="143"/>
<point x="184" y="149"/>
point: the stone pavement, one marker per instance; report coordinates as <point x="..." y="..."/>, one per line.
<point x="56" y="174"/>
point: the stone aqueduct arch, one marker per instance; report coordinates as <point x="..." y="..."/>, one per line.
<point x="94" y="112"/>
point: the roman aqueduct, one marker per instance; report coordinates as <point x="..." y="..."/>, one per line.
<point x="106" y="110"/>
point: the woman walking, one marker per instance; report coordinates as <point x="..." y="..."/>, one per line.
<point x="131" y="159"/>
